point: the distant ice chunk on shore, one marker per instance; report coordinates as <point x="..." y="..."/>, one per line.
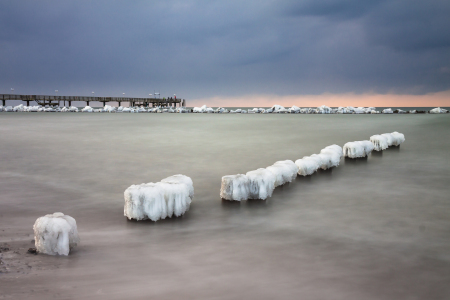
<point x="358" y="149"/>
<point x="387" y="111"/>
<point x="87" y="109"/>
<point x="438" y="110"/>
<point x="55" y="234"/>
<point x="171" y="196"/>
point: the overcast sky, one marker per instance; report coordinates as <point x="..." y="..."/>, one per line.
<point x="225" y="49"/>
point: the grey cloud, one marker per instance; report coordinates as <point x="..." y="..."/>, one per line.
<point x="207" y="48"/>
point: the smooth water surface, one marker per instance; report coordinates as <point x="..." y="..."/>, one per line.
<point x="375" y="228"/>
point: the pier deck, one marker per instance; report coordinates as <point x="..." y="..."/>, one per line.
<point x="56" y="100"/>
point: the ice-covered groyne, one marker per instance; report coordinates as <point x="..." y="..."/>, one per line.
<point x="55" y="234"/>
<point x="171" y="196"/>
<point x="328" y="157"/>
<point x="358" y="149"/>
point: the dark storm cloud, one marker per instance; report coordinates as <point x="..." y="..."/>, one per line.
<point x="206" y="48"/>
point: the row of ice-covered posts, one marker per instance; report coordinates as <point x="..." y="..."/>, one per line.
<point x="57" y="234"/>
<point x="260" y="184"/>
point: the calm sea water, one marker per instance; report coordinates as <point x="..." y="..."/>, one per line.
<point x="375" y="228"/>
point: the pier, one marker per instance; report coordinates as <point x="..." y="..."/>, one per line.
<point x="56" y="100"/>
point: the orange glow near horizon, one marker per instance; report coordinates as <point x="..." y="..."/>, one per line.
<point x="441" y="99"/>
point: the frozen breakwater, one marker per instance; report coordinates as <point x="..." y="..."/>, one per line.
<point x="260" y="184"/>
<point x="276" y="109"/>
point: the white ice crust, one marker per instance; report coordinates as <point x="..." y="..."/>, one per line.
<point x="235" y="187"/>
<point x="380" y="142"/>
<point x="438" y="110"/>
<point x="55" y="234"/>
<point x="307" y="166"/>
<point x="397" y="138"/>
<point x="385" y="140"/>
<point x="261" y="184"/>
<point x="285" y="171"/>
<point x="329" y="157"/>
<point x="171" y="196"/>
<point x="87" y="109"/>
<point x="358" y="149"/>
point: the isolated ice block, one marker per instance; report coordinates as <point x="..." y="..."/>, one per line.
<point x="55" y="234"/>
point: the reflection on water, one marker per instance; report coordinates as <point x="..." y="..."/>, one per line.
<point x="338" y="234"/>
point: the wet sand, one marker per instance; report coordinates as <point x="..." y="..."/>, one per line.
<point x="375" y="228"/>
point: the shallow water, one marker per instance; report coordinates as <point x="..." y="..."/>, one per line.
<point x="375" y="228"/>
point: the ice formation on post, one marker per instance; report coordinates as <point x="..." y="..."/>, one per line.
<point x="329" y="157"/>
<point x="285" y="171"/>
<point x="379" y="142"/>
<point x="171" y="196"/>
<point x="385" y="140"/>
<point x="397" y="138"/>
<point x="55" y="234"/>
<point x="261" y="184"/>
<point x="307" y="165"/>
<point x="358" y="149"/>
<point x="334" y="153"/>
<point x="235" y="187"/>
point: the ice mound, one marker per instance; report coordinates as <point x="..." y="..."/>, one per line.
<point x="278" y="108"/>
<point x="261" y="184"/>
<point x="285" y="171"/>
<point x="438" y="110"/>
<point x="334" y="154"/>
<point x="323" y="109"/>
<point x="8" y="108"/>
<point x="235" y="187"/>
<point x="307" y="165"/>
<point x="397" y="138"/>
<point x="87" y="109"/>
<point x="55" y="234"/>
<point x="358" y="149"/>
<point x="323" y="160"/>
<point x="329" y="157"/>
<point x="387" y="111"/>
<point x="379" y="142"/>
<point x="18" y="108"/>
<point x="202" y="109"/>
<point x="389" y="138"/>
<point x="294" y="110"/>
<point x="171" y="196"/>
